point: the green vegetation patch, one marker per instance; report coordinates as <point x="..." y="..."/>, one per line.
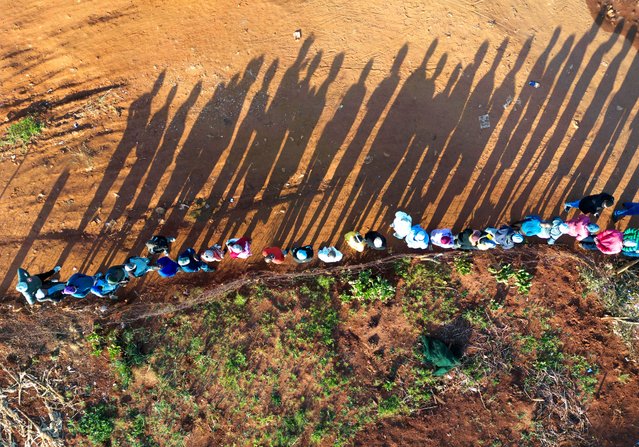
<point x="23" y="131"/>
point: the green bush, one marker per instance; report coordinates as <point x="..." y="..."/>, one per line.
<point x="368" y="288"/>
<point x="23" y="131"/>
<point x="97" y="423"/>
<point x="463" y="264"/>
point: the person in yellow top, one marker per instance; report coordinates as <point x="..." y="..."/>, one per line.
<point x="355" y="241"/>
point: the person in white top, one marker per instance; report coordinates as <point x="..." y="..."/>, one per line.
<point x="329" y="254"/>
<point x="401" y="224"/>
<point x="417" y="238"/>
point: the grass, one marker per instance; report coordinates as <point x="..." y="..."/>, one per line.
<point x="504" y="273"/>
<point x="368" y="287"/>
<point x="97" y="423"/>
<point x="23" y="131"/>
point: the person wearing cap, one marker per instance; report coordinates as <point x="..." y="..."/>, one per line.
<point x="159" y="244"/>
<point x="103" y="288"/>
<point x="631" y="243"/>
<point x="629" y="209"/>
<point x="168" y="268"/>
<point x="302" y="255"/>
<point x="443" y="238"/>
<point x="581" y="227"/>
<point x="274" y="255"/>
<point x="355" y="241"/>
<point x="28" y="284"/>
<point x="375" y="240"/>
<point x="464" y="241"/>
<point x="53" y="293"/>
<point x="483" y="240"/>
<point x="190" y="262"/>
<point x="239" y="247"/>
<point x="213" y="254"/>
<point x="329" y="255"/>
<point x="402" y="224"/>
<point x="594" y="204"/>
<point x="505" y="236"/>
<point x="118" y="275"/>
<point x="138" y="266"/>
<point x="79" y="285"/>
<point x="558" y="229"/>
<point x="417" y="238"/>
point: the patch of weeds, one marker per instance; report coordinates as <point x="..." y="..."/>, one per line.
<point x="504" y="273"/>
<point x="23" y="131"/>
<point x="291" y="429"/>
<point x="619" y="293"/>
<point x="585" y="374"/>
<point x="623" y="378"/>
<point x="125" y="352"/>
<point x="368" y="288"/>
<point x="463" y="264"/>
<point x="477" y="317"/>
<point x="429" y="296"/>
<point x="97" y="423"/>
<point x="391" y="406"/>
<point x="326" y="418"/>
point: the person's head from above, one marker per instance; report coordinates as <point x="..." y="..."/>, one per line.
<point x="629" y="243"/>
<point x="378" y="242"/>
<point x="22" y="286"/>
<point x="183" y="260"/>
<point x="236" y="248"/>
<point x="129" y="266"/>
<point x="69" y="290"/>
<point x="420" y="235"/>
<point x="608" y="203"/>
<point x="301" y="254"/>
<point x="269" y="257"/>
<point x="474" y="237"/>
<point x="592" y="228"/>
<point x="40" y="294"/>
<point x="564" y="227"/>
<point x="208" y="256"/>
<point x="446" y="240"/>
<point x="517" y="238"/>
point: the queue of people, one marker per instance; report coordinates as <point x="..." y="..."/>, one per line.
<point x="42" y="287"/>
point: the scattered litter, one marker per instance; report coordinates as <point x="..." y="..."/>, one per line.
<point x="115" y="194"/>
<point x="231" y="200"/>
<point x="534" y="84"/>
<point x="183" y="206"/>
<point x="619" y="108"/>
<point x="297" y="35"/>
<point x="575" y="124"/>
<point x="484" y="121"/>
<point x="368" y="159"/>
<point x="508" y="102"/>
<point x="160" y="211"/>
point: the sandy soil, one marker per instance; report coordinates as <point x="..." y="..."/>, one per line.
<point x="187" y="105"/>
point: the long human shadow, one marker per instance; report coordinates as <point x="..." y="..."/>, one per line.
<point x="153" y="165"/>
<point x="138" y="116"/>
<point x="203" y="148"/>
<point x="375" y="106"/>
<point x="333" y="136"/>
<point x="239" y="151"/>
<point x="34" y="232"/>
<point x="530" y="170"/>
<point x="614" y="121"/>
<point x="574" y="147"/>
<point x="392" y="143"/>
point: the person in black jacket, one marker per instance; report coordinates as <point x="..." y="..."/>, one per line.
<point x="594" y="204"/>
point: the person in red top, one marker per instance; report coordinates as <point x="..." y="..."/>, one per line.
<point x="274" y="255"/>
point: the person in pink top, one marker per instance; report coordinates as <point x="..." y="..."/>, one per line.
<point x="609" y="242"/>
<point x="239" y="247"/>
<point x="580" y="227"/>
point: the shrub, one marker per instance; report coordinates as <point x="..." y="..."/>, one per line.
<point x="463" y="264"/>
<point x="368" y="288"/>
<point x="23" y="131"/>
<point x="97" y="423"/>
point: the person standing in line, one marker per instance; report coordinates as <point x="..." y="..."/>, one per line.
<point x="274" y="255"/>
<point x="581" y="227"/>
<point x="239" y="248"/>
<point x="505" y="236"/>
<point x="158" y="245"/>
<point x="302" y="255"/>
<point x="28" y="284"/>
<point x="137" y="266"/>
<point x="402" y="224"/>
<point x="54" y="293"/>
<point x="629" y="209"/>
<point x="417" y="238"/>
<point x="355" y="241"/>
<point x="79" y="285"/>
<point x="375" y="240"/>
<point x="103" y="288"/>
<point x="167" y="267"/>
<point x="329" y="255"/>
<point x="443" y="238"/>
<point x="594" y="204"/>
<point x="190" y="262"/>
<point x="213" y="254"/>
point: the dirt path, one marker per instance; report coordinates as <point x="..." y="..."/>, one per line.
<point x="187" y="105"/>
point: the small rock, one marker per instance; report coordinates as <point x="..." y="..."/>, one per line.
<point x="297" y="35"/>
<point x="160" y="211"/>
<point x="575" y="124"/>
<point x="619" y="108"/>
<point x="368" y="159"/>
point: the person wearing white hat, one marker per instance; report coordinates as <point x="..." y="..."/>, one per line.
<point x="402" y="224"/>
<point x="213" y="254"/>
<point x="302" y="255"/>
<point x="375" y="240"/>
<point x="329" y="255"/>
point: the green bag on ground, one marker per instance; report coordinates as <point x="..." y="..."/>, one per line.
<point x="437" y="354"/>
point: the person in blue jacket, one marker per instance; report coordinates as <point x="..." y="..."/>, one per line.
<point x="103" y="288"/>
<point x="117" y="275"/>
<point x="167" y="267"/>
<point x="79" y="285"/>
<point x="190" y="262"/>
<point x="137" y="266"/>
